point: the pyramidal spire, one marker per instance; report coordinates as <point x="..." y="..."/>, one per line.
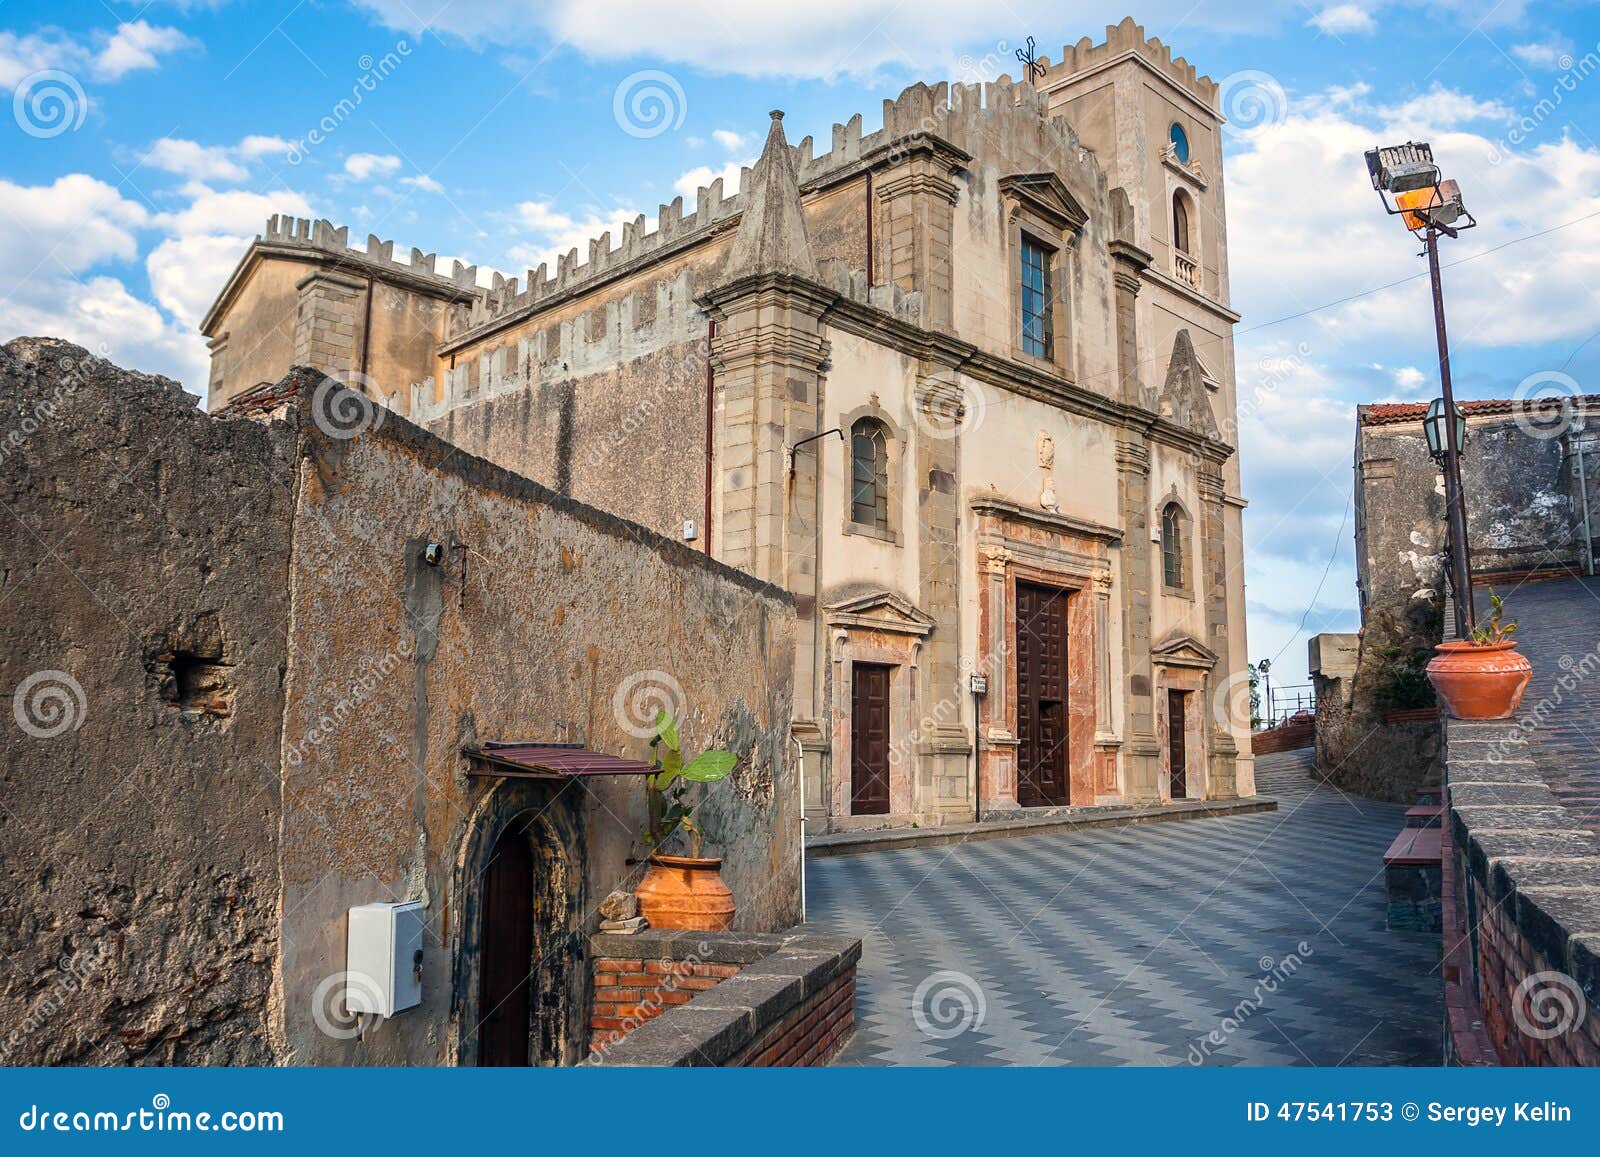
<point x="772" y="230"/>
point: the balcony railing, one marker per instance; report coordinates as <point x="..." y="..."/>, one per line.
<point x="1185" y="268"/>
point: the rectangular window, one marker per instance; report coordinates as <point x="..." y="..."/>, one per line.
<point x="1036" y="328"/>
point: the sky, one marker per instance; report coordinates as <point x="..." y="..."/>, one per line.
<point x="147" y="144"/>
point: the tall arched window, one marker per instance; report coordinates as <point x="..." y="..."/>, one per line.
<point x="869" y="475"/>
<point x="1180" y="221"/>
<point x="1172" y="546"/>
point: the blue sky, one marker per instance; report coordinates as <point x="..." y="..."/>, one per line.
<point x="496" y="132"/>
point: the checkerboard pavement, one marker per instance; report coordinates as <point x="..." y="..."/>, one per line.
<point x="1131" y="946"/>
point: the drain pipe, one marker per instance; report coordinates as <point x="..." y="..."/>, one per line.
<point x="801" y="748"/>
<point x="1583" y="494"/>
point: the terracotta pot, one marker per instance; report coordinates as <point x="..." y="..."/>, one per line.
<point x="1479" y="681"/>
<point x="685" y="892"/>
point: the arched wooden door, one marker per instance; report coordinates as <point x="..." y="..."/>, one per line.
<point x="506" y="955"/>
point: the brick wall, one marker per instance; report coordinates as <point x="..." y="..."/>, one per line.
<point x="1522" y="909"/>
<point x="628" y="992"/>
<point x="1288" y="737"/>
<point x="668" y="997"/>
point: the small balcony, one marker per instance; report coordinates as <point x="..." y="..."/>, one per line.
<point x="1185" y="268"/>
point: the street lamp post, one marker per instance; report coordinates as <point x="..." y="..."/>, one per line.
<point x="1408" y="183"/>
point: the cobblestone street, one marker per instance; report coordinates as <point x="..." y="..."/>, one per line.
<point x="1131" y="946"/>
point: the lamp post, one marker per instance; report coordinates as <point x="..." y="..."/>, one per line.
<point x="1408" y="183"/>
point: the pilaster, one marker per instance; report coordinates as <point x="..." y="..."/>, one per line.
<point x="327" y="321"/>
<point x="1221" y="749"/>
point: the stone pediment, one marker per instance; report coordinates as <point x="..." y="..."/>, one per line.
<point x="1181" y="650"/>
<point x="1048" y="196"/>
<point x="1184" y="399"/>
<point x="880" y="611"/>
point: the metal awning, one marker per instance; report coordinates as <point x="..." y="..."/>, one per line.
<point x="549" y="761"/>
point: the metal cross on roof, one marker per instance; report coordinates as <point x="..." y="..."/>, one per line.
<point x="1031" y="68"/>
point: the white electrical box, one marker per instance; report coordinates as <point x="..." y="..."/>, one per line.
<point x="383" y="951"/>
<point x="690" y="530"/>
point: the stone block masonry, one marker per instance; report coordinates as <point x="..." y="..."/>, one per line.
<point x="677" y="998"/>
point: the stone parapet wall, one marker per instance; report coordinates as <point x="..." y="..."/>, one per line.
<point x="722" y="999"/>
<point x="1522" y="909"/>
<point x="1289" y="737"/>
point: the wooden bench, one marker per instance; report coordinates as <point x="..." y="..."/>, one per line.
<point x="1424" y="815"/>
<point x="1413" y="878"/>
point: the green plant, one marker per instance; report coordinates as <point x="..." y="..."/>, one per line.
<point x="1496" y="630"/>
<point x="667" y="785"/>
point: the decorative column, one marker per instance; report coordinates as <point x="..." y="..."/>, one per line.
<point x="997" y="782"/>
<point x="1221" y="750"/>
<point x="1141" y="754"/>
<point x="946" y="744"/>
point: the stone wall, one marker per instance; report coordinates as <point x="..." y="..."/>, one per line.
<point x="268" y="690"/>
<point x="146" y="611"/>
<point x="1522" y="909"/>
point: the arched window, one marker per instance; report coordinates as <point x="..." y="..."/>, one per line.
<point x="1180" y="143"/>
<point x="1180" y="221"/>
<point x="869" y="475"/>
<point x="1172" y="546"/>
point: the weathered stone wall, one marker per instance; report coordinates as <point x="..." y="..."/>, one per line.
<point x="262" y="693"/>
<point x="145" y="589"/>
<point x="548" y="621"/>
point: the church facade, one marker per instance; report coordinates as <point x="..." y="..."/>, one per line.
<point x="963" y="386"/>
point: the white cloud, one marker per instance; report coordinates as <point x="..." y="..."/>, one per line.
<point x="262" y="146"/>
<point x="136" y="46"/>
<point x="193" y="160"/>
<point x="66" y="227"/>
<point x="364" y="166"/>
<point x="830" y="40"/>
<point x="108" y="56"/>
<point x="688" y="185"/>
<point x="423" y="183"/>
<point x="555" y="232"/>
<point x="1555" y="53"/>
<point x="730" y="140"/>
<point x="1344" y="19"/>
<point x="1442" y="107"/>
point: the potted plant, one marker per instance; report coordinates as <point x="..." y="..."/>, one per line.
<point x="681" y="891"/>
<point x="1482" y="677"/>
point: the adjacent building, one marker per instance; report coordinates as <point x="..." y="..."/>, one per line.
<point x="963" y="387"/>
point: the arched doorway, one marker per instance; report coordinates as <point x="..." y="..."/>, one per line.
<point x="520" y="983"/>
<point x="506" y="962"/>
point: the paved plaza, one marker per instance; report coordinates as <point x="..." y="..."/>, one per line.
<point x="1248" y="940"/>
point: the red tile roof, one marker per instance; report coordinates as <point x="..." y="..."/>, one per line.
<point x="1393" y="413"/>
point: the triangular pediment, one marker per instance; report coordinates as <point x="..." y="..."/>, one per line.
<point x="1184" y="399"/>
<point x="1181" y="650"/>
<point x="880" y="611"/>
<point x="1047" y="195"/>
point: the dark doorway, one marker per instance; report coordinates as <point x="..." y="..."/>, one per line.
<point x="1042" y="696"/>
<point x="869" y="739"/>
<point x="506" y="963"/>
<point x="1177" y="752"/>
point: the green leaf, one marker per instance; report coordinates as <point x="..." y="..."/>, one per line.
<point x="666" y="729"/>
<point x="709" y="766"/>
<point x="671" y="767"/>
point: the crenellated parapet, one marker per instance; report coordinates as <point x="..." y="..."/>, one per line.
<point x="1121" y="40"/>
<point x="322" y="235"/>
